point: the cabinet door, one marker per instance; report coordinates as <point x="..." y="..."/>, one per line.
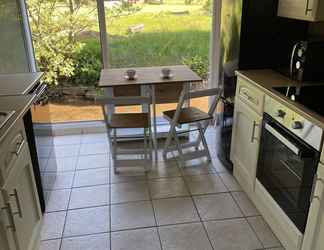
<point x="20" y="194"/>
<point x="314" y="232"/>
<point x="245" y="143"/>
<point x="310" y="10"/>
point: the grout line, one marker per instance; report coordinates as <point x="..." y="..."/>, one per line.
<point x="109" y="190"/>
<point x="66" y="212"/>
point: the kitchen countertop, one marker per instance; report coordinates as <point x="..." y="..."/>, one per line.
<point x="20" y="104"/>
<point x="266" y="79"/>
<point x="18" y="84"/>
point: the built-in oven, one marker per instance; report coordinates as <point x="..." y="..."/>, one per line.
<point x="288" y="160"/>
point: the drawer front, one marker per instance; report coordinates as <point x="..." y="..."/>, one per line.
<point x="11" y="147"/>
<point x="322" y="156"/>
<point x="250" y="95"/>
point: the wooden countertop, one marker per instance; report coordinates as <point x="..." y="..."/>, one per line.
<point x="18" y="84"/>
<point x="266" y="79"/>
<point x="20" y="104"/>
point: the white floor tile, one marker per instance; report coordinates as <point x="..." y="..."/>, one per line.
<point x="91" y="177"/>
<point x="245" y="204"/>
<point x="217" y="206"/>
<point x="52" y="227"/>
<point x="93" y="161"/>
<point x="89" y="242"/>
<point x="50" y="245"/>
<point x="184" y="237"/>
<point x="175" y="210"/>
<point x="61" y="164"/>
<point x="139" y="239"/>
<point x="94" y="148"/>
<point x="230" y="182"/>
<point x="205" y="184"/>
<point x="57" y="200"/>
<point x="60" y="180"/>
<point x="129" y="191"/>
<point x="167" y="188"/>
<point x="87" y="221"/>
<point x="89" y="197"/>
<point x="65" y="151"/>
<point x="132" y="215"/>
<point x="263" y="231"/>
<point x="233" y="234"/>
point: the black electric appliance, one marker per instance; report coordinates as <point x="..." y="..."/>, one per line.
<point x="306" y="62"/>
<point x="289" y="153"/>
<point x="252" y="37"/>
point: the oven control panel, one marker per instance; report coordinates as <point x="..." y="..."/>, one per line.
<point x="296" y="123"/>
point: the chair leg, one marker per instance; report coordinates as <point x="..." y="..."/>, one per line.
<point x="179" y="148"/>
<point x="114" y="150"/>
<point x="145" y="150"/>
<point x="203" y="140"/>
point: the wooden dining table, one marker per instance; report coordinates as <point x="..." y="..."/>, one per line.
<point x="147" y="77"/>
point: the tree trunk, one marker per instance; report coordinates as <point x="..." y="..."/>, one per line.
<point x="71" y="9"/>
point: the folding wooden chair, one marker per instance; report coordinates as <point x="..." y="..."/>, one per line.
<point x="191" y="116"/>
<point x="126" y="121"/>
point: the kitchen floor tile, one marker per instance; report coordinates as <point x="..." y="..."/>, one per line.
<point x="89" y="197"/>
<point x="42" y="164"/>
<point x="129" y="191"/>
<point x="127" y="175"/>
<point x="58" y="180"/>
<point x="184" y="237"/>
<point x="65" y="151"/>
<point x="175" y="210"/>
<point x="89" y="242"/>
<point x="263" y="231"/>
<point x="91" y="177"/>
<point x="233" y="234"/>
<point x="218" y="166"/>
<point x="44" y="151"/>
<point x="61" y="164"/>
<point x="94" y="148"/>
<point x="93" y="161"/>
<point x="132" y="215"/>
<point x="53" y="224"/>
<point x="217" y="206"/>
<point x="87" y="221"/>
<point x="57" y="200"/>
<point x="205" y="184"/>
<point x="50" y="245"/>
<point x="230" y="182"/>
<point x="197" y="167"/>
<point x="245" y="204"/>
<point x="67" y="140"/>
<point x="167" y="188"/>
<point x="94" y="138"/>
<point x="139" y="239"/>
<point x="164" y="169"/>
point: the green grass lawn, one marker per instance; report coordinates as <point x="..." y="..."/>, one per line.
<point x="167" y="38"/>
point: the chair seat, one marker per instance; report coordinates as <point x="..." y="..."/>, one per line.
<point x="188" y="115"/>
<point x="129" y="120"/>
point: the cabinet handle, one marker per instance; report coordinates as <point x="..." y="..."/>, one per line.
<point x="307" y="8"/>
<point x="15" y="194"/>
<point x="19" y="147"/>
<point x="10" y="217"/>
<point x="315" y="180"/>
<point x="253" y="131"/>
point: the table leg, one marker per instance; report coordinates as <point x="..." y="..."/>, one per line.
<point x="154" y="124"/>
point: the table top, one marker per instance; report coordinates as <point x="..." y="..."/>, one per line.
<point x="147" y="76"/>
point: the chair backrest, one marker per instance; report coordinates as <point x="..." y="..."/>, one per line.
<point x="167" y="92"/>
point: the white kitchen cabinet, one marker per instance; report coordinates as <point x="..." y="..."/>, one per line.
<point x="309" y="10"/>
<point x="20" y="210"/>
<point x="245" y="144"/>
<point x="313" y="238"/>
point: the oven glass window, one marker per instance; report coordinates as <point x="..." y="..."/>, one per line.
<point x="286" y="169"/>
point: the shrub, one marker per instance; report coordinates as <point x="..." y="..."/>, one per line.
<point x="198" y="64"/>
<point x="87" y="63"/>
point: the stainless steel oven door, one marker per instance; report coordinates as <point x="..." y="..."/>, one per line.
<point x="286" y="168"/>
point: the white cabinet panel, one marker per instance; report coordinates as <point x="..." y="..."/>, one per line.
<point x="245" y="144"/>
<point x="310" y="10"/>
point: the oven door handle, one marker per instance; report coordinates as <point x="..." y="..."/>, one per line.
<point x="281" y="138"/>
<point x="40" y="90"/>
